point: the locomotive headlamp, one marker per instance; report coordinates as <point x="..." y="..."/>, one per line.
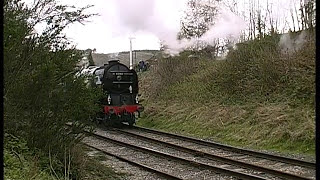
<point x="109" y="99"/>
<point x="137" y="99"/>
<point x="98" y="81"/>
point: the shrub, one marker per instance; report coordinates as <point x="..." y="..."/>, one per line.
<point x="171" y="70"/>
<point x="41" y="91"/>
<point x="259" y="70"/>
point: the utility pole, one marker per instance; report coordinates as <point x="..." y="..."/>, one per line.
<point x="135" y="57"/>
<point x="131" y="63"/>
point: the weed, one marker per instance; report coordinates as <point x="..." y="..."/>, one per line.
<point x="258" y="97"/>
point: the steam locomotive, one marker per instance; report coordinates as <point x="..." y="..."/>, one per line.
<point x="120" y="103"/>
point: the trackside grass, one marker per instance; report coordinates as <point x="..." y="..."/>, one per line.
<point x="21" y="163"/>
<point x="258" y="97"/>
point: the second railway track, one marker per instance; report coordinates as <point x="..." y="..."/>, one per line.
<point x="184" y="159"/>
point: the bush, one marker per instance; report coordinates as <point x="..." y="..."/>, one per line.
<point x="41" y="91"/>
<point x="257" y="97"/>
<point x="258" y="70"/>
<point x="19" y="162"/>
<point x="171" y="70"/>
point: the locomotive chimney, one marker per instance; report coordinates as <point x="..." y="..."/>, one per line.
<point x="112" y="62"/>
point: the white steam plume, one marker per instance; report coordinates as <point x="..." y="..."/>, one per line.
<point x="290" y="45"/>
<point x="162" y="19"/>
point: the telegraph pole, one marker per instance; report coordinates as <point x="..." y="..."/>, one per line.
<point x="131" y="63"/>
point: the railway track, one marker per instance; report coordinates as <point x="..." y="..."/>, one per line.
<point x="145" y="167"/>
<point x="282" y="159"/>
<point x="179" y="157"/>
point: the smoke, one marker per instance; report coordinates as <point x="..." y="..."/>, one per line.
<point x="162" y="19"/>
<point x="135" y="15"/>
<point x="290" y="45"/>
<point x="114" y="55"/>
<point x="227" y="25"/>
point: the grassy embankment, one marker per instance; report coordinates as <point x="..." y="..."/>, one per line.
<point x="21" y="163"/>
<point x="258" y="97"/>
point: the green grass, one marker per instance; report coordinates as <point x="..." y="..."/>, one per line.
<point x="22" y="167"/>
<point x="19" y="163"/>
<point x="261" y="127"/>
<point x="257" y="98"/>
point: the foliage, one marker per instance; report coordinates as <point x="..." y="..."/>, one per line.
<point x="18" y="161"/>
<point x="196" y="21"/>
<point x="198" y="18"/>
<point x="172" y="70"/>
<point x="260" y="70"/>
<point x="257" y="97"/>
<point x="252" y="69"/>
<point x="41" y="91"/>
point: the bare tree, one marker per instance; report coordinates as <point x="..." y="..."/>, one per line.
<point x="297" y="17"/>
<point x="273" y="26"/>
<point x="260" y="24"/>
<point x="293" y="22"/>
<point x="198" y="18"/>
<point x="309" y="13"/>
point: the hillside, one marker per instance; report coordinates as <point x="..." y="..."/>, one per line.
<point x="124" y="57"/>
<point x="259" y="97"/>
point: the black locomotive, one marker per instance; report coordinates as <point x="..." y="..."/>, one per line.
<point x="120" y="85"/>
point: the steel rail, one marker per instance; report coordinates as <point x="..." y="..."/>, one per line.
<point x="277" y="158"/>
<point x="196" y="164"/>
<point x="163" y="174"/>
<point x="220" y="158"/>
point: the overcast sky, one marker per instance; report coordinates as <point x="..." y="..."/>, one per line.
<point x="121" y="19"/>
<point x="147" y="21"/>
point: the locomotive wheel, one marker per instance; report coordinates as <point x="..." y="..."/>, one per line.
<point x="107" y="121"/>
<point x="131" y="120"/>
<point x="131" y="124"/>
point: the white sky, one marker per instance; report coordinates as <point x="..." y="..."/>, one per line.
<point x="102" y="32"/>
<point x="108" y="34"/>
<point x="110" y="31"/>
